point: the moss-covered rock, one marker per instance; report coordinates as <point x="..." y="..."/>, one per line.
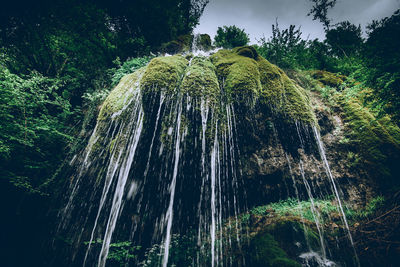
<point x="201" y="80"/>
<point x="164" y="73"/>
<point x="279" y="91"/>
<point x="288" y="230"/>
<point x="121" y="95"/>
<point x="239" y="74"/>
<point x="244" y="74"/>
<point x="267" y="253"/>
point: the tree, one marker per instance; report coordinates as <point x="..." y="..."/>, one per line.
<point x="319" y="11"/>
<point x="287" y="49"/>
<point x="382" y="58"/>
<point x="345" y="39"/>
<point x="230" y="37"/>
<point x="78" y="40"/>
<point x="33" y="123"/>
<point x="283" y="46"/>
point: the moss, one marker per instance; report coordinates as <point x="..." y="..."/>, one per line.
<point x="377" y="141"/>
<point x="164" y="73"/>
<point x="185" y="40"/>
<point x="201" y="80"/>
<point x="239" y="74"/>
<point x="242" y="74"/>
<point x="373" y="141"/>
<point x="287" y="231"/>
<point x="266" y="252"/>
<point x="283" y="94"/>
<point x="112" y="144"/>
<point x="246" y="51"/>
<point x="120" y="95"/>
<point x="328" y="79"/>
<point x="245" y="74"/>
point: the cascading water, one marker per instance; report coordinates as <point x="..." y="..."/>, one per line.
<point x="162" y="172"/>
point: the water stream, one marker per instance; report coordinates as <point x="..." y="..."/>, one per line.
<point x="169" y="167"/>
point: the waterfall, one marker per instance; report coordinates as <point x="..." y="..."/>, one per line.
<point x="314" y="212"/>
<point x="195" y="43"/>
<point x="339" y="201"/>
<point x="214" y="160"/>
<point x="164" y="168"/>
<point x="169" y="215"/>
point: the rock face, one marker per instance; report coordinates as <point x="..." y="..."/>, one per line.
<point x="186" y="146"/>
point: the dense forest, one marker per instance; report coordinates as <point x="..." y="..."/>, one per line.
<point x="59" y="61"/>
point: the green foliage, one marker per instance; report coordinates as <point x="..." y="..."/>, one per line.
<point x="129" y="66"/>
<point x="283" y="47"/>
<point x="328" y="79"/>
<point x="33" y="124"/>
<point x="294" y="207"/>
<point x="288" y="50"/>
<point x="43" y="30"/>
<point x="230" y="37"/>
<point x="182" y="252"/>
<point x="122" y="252"/>
<point x="382" y="62"/>
<point x="345" y="39"/>
<point x="119" y="253"/>
<point x="373" y="206"/>
<point x="377" y="141"/>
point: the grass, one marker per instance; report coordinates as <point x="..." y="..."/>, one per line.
<point x="326" y="210"/>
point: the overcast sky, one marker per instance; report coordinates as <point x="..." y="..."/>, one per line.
<point x="257" y="16"/>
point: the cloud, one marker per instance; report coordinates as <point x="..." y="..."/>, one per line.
<point x="257" y="16"/>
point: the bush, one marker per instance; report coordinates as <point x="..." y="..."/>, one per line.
<point x="33" y="128"/>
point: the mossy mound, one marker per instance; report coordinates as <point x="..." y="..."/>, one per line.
<point x="328" y="79"/>
<point x="239" y="75"/>
<point x="164" y="73"/>
<point x="121" y="95"/>
<point x="267" y="253"/>
<point x="201" y="80"/>
<point x="279" y="91"/>
<point x="287" y="230"/>
<point x="244" y="73"/>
